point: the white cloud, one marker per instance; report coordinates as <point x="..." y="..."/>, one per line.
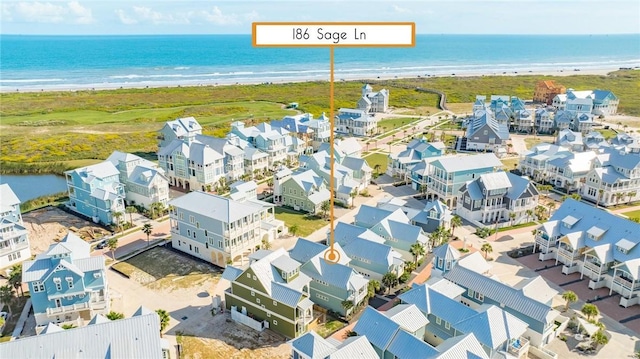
<point x="5" y="14"/>
<point x="400" y="10"/>
<point x="217" y="17"/>
<point x="124" y="18"/>
<point x="83" y="14"/>
<point x="251" y="16"/>
<point x="43" y="12"/>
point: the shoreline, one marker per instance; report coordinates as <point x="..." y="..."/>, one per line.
<point x="296" y="79"/>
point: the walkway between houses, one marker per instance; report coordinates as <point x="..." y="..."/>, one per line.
<point x="137" y="239"/>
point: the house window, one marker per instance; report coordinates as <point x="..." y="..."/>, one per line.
<point x="438" y="320"/>
<point x="69" y="282"/>
<point x="198" y="225"/>
<point x="480" y="297"/>
<point x="470" y="293"/>
<point x="206" y="234"/>
<point x="253" y="294"/>
<point x="440" y="262"/>
<point x="275" y="304"/>
<point x="258" y="300"/>
<point x="248" y="275"/>
<point x="38" y="287"/>
<point x="181" y="216"/>
<point x="58" y="283"/>
<point x="275" y="322"/>
<point x="447" y="325"/>
<point x="188" y="233"/>
<point x="268" y="315"/>
<point x="97" y="275"/>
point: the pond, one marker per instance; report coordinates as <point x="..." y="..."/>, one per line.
<point x="28" y="187"/>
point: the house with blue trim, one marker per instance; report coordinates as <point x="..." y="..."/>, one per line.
<point x="354" y="122"/>
<point x="331" y="283"/>
<point x="144" y="182"/>
<point x="399" y="164"/>
<point x="434" y="214"/>
<point x="394" y="226"/>
<point x="67" y="285"/>
<point x="14" y="238"/>
<point x="369" y="254"/>
<point x="313" y="346"/>
<point x="96" y="192"/>
<point x="595" y="243"/>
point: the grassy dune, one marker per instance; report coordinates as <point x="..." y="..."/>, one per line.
<point x="45" y="128"/>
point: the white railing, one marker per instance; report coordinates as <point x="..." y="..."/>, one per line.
<point x="568" y="255"/>
<point x="100" y="304"/>
<point x="518" y="346"/>
<point x="625" y="283"/>
<point x="596" y="269"/>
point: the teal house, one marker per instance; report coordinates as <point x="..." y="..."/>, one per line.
<point x="67" y="285"/>
<point x="332" y="284"/>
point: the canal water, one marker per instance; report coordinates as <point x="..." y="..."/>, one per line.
<point x="28" y="187"/>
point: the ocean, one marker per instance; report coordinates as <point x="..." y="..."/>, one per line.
<point x="80" y="62"/>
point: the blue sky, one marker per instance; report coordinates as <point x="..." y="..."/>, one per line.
<point x="235" y="17"/>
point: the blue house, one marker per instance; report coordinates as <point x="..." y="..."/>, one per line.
<point x="96" y="192"/>
<point x="67" y="285"/>
<point x="332" y="283"/>
<point x="444" y="258"/>
<point x="14" y="239"/>
<point x="399" y="164"/>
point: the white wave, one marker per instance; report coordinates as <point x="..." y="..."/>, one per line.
<point x="30" y="80"/>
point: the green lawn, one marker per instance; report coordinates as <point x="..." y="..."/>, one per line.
<point x="530" y="141"/>
<point x="509" y="163"/>
<point x="306" y="223"/>
<point x="377" y="159"/>
<point x="608" y="134"/>
<point x="390" y="123"/>
<point x="632" y="214"/>
<point x="521" y="225"/>
<point x="328" y="328"/>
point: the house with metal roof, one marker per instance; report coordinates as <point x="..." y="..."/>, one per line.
<point x="434" y="214"/>
<point x="14" y="238"/>
<point x="569" y="172"/>
<point x="313" y="346"/>
<point x="67" y="285"/>
<point x="373" y="101"/>
<point x="446" y="175"/>
<point x="333" y="283"/>
<point x="482" y="290"/>
<point x="543" y="120"/>
<point x="96" y="192"/>
<point x="394" y="226"/>
<point x="399" y="164"/>
<point x="355" y="122"/>
<point x="134" y="337"/>
<point x="369" y="254"/>
<point x="444" y="258"/>
<point x="534" y="163"/>
<point x="614" y="177"/>
<point x="500" y="198"/>
<point x="144" y="181"/>
<point x="221" y="230"/>
<point x="272" y="292"/>
<point x="485" y="133"/>
<point x="596" y="244"/>
<point x="302" y="190"/>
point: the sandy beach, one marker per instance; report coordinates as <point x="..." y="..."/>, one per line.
<point x="297" y="79"/>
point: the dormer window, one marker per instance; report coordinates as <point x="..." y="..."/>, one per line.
<point x="624" y="246"/>
<point x="569" y="221"/>
<point x="595" y="233"/>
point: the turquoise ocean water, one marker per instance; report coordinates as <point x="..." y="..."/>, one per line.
<point x="61" y="62"/>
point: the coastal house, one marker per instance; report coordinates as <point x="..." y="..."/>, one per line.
<point x="134" y="337"/>
<point x="302" y="190"/>
<point x="373" y="101"/>
<point x="242" y="191"/>
<point x="497" y="331"/>
<point x="96" y="192"/>
<point x="569" y="172"/>
<point x="546" y="90"/>
<point x="144" y="181"/>
<point x="312" y="346"/>
<point x="271" y="140"/>
<point x="532" y="306"/>
<point x="14" y="238"/>
<point x="355" y="122"/>
<point x="544" y="121"/>
<point x="613" y="178"/>
<point x="271" y="293"/>
<point x="497" y="197"/>
<point x="193" y="161"/>
<point x="444" y="176"/>
<point x="369" y="254"/>
<point x="221" y="230"/>
<point x="625" y="142"/>
<point x="67" y="285"/>
<point x="570" y="139"/>
<point x="434" y="214"/>
<point x="534" y="163"/>
<point x="394" y="227"/>
<point x="400" y="164"/>
<point x="485" y="133"/>
<point x="595" y="243"/>
<point x="333" y="283"/>
<point x="596" y="102"/>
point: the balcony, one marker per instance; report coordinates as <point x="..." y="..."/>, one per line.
<point x="14" y="247"/>
<point x="76" y="307"/>
<point x="567" y="257"/>
<point x="626" y="284"/>
<point x="518" y="347"/>
<point x="595" y="268"/>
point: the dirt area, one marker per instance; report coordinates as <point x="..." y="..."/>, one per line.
<point x="163" y="269"/>
<point x="50" y="224"/>
<point x="231" y="341"/>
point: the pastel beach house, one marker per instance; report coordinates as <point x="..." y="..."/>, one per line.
<point x="14" y="238"/>
<point x="67" y="285"/>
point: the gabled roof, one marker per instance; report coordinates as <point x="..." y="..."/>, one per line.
<point x="465" y="163"/>
<point x="430" y="301"/>
<point x="408" y="316"/>
<point x="305" y="249"/>
<point x="537" y="288"/>
<point x="216" y="207"/>
<point x="354" y="348"/>
<point x="312" y="345"/>
<point x="493" y="326"/>
<point x="407" y="346"/>
<point x="446" y="252"/>
<point x="475" y="262"/>
<point x="7" y="198"/>
<point x="461" y="347"/>
<point x="378" y="329"/>
<point x="502" y="293"/>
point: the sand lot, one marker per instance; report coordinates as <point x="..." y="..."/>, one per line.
<point x="49" y="224"/>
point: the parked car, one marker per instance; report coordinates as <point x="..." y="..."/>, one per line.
<point x="102" y="244"/>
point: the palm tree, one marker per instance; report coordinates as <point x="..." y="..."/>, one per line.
<point x="599" y="338"/>
<point x="131" y="210"/>
<point x="266" y="244"/>
<point x="15" y="278"/>
<point x="570" y="297"/>
<point x="456" y="221"/>
<point x="377" y="168"/>
<point x="551" y="207"/>
<point x="117" y="216"/>
<point x="293" y="229"/>
<point x="270" y="183"/>
<point x="346" y="305"/>
<point x="325" y="207"/>
<point x="372" y="288"/>
<point x="353" y="196"/>
<point x="529" y="213"/>
<point x="113" y="245"/>
<point x="619" y="196"/>
<point x="6" y="296"/>
<point x="486" y="248"/>
<point x="164" y="319"/>
<point x="438" y="237"/>
<point x="417" y="250"/>
<point x="114" y="315"/>
<point x="631" y="195"/>
<point x="590" y="310"/>
<point x="512" y="216"/>
<point x="390" y="280"/>
<point x="147" y="229"/>
<point x="600" y="192"/>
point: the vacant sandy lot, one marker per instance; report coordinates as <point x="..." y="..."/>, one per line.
<point x="49" y="224"/>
